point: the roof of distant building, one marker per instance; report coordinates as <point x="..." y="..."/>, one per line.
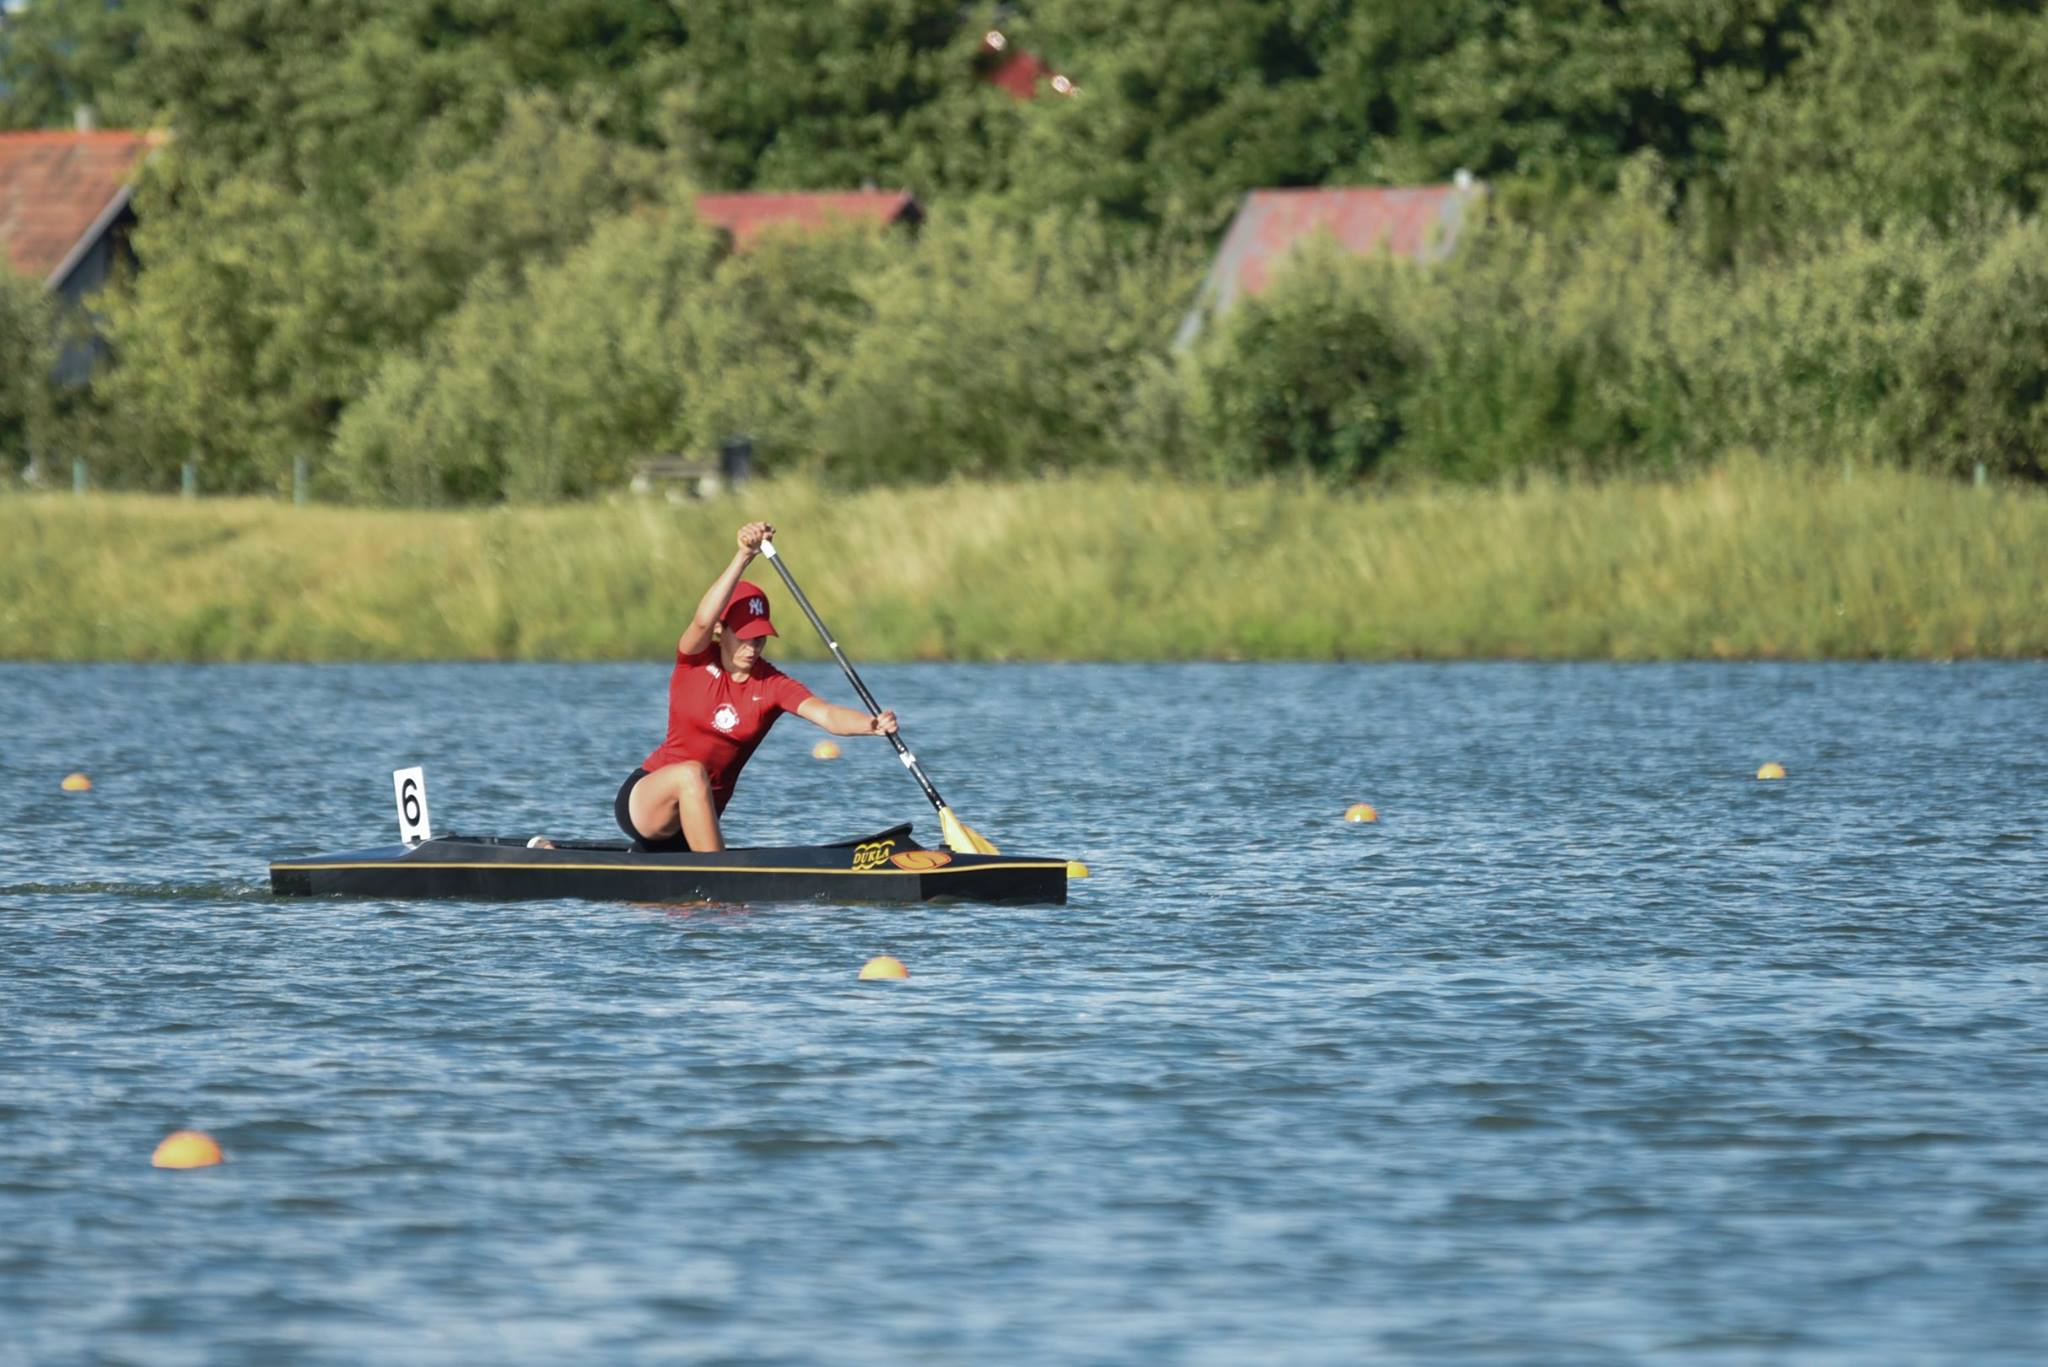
<point x="1419" y="222"/>
<point x="60" y="190"/>
<point x="1018" y="72"/>
<point x="748" y="214"/>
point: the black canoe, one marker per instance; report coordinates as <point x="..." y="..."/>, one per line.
<point x="886" y="867"/>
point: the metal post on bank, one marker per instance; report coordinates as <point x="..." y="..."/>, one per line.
<point x="735" y="460"/>
<point x="302" y="479"/>
<point x="78" y="480"/>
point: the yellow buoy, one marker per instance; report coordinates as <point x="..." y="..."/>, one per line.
<point x="883" y="966"/>
<point x="1076" y="869"/>
<point x="77" y="783"/>
<point x="1361" y="811"/>
<point x="825" y="749"/>
<point x="1771" y="770"/>
<point x="186" y="1149"/>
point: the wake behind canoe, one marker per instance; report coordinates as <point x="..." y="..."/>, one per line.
<point x="886" y="867"/>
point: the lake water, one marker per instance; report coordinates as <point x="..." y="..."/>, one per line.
<point x="1593" y="1049"/>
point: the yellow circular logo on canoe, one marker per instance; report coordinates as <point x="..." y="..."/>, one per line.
<point x="915" y="860"/>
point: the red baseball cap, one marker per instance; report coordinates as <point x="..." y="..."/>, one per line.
<point x="746" y="613"/>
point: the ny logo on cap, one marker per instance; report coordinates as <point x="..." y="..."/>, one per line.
<point x="757" y="607"/>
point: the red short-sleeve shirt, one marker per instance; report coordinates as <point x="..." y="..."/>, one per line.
<point x="717" y="720"/>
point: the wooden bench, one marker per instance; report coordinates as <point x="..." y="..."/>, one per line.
<point x="678" y="477"/>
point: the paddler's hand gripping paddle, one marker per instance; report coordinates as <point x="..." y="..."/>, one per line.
<point x="961" y="838"/>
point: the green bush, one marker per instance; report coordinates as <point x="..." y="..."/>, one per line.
<point x="1309" y="377"/>
<point x="1553" y="348"/>
<point x="1906" y="346"/>
<point x="1977" y="382"/>
<point x="992" y="349"/>
<point x="554" y="383"/>
<point x="540" y="386"/>
<point x="768" y="323"/>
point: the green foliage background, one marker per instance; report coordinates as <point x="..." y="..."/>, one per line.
<point x="27" y="351"/>
<point x="446" y="248"/>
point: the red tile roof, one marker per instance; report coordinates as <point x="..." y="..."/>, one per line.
<point x="1419" y="222"/>
<point x="58" y="190"/>
<point x="746" y="215"/>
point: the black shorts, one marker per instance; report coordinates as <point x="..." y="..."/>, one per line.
<point x="622" y="808"/>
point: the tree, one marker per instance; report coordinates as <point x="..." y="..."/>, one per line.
<point x="329" y="98"/>
<point x="556" y="381"/>
<point x="993" y="349"/>
<point x="1309" y="377"/>
<point x="56" y="55"/>
<point x="258" y="316"/>
<point x="1565" y="92"/>
<point x="27" y="351"/>
<point x="1182" y="108"/>
<point x="1896" y="110"/>
<point x="831" y="94"/>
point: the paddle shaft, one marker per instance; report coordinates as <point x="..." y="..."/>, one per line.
<point x="867" y="698"/>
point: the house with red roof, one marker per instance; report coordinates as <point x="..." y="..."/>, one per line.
<point x="64" y="212"/>
<point x="1420" y="223"/>
<point x="745" y="215"/>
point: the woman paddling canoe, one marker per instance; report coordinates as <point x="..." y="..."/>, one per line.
<point x="722" y="698"/>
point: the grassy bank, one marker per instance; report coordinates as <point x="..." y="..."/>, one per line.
<point x="1748" y="561"/>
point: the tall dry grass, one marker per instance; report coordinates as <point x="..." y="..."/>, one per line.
<point x="1748" y="560"/>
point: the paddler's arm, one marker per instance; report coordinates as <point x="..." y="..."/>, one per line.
<point x="697" y="635"/>
<point x="845" y="721"/>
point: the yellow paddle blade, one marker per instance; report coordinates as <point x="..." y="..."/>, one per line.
<point x="962" y="838"/>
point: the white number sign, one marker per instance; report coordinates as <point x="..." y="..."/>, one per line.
<point x="411" y="787"/>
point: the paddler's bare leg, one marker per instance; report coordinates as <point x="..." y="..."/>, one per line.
<point x="677" y="797"/>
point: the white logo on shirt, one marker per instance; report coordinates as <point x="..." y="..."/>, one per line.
<point x="726" y="717"/>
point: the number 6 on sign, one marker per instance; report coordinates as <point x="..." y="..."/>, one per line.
<point x="411" y="787"/>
